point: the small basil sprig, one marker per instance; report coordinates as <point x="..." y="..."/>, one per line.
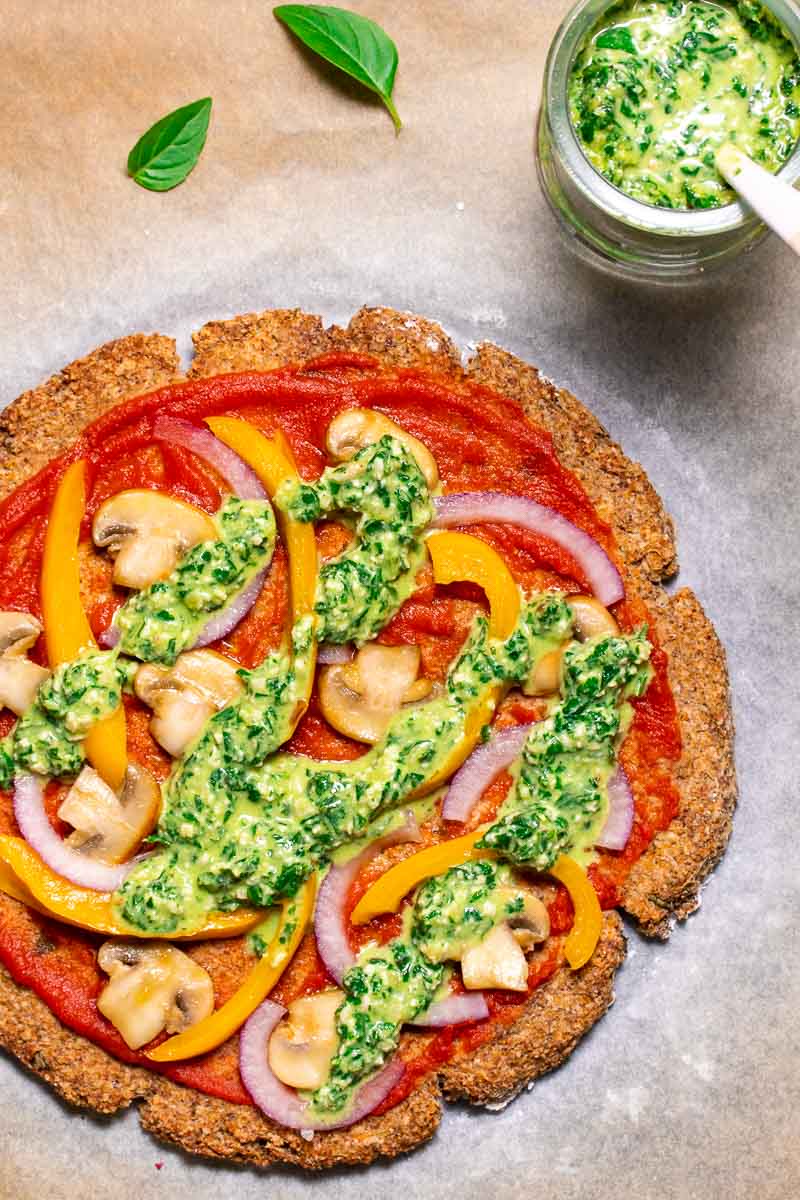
<point x="168" y="152"/>
<point x="352" y="43"/>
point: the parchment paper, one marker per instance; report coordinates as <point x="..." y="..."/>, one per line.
<point x="304" y="196"/>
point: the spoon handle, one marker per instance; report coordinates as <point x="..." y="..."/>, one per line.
<point x="776" y="202"/>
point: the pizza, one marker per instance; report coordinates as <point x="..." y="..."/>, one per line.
<point x="344" y="714"/>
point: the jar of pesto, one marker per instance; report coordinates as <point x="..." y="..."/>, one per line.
<point x="637" y="97"/>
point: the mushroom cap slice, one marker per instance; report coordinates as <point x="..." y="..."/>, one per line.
<point x="360" y="698"/>
<point x="532" y="924"/>
<point x="185" y="695"/>
<point x="304" y="1042"/>
<point x="109" y="827"/>
<point x="18" y="632"/>
<point x="358" y="427"/>
<point x="592" y="619"/>
<point x="545" y="678"/>
<point x="496" y="962"/>
<point x="20" y="680"/>
<point x="152" y="987"/>
<point x="147" y="532"/>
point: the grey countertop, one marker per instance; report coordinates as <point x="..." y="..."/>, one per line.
<point x="304" y="196"/>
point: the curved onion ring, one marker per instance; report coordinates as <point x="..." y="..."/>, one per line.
<point x="330" y="923"/>
<point x="201" y="441"/>
<point x="282" y="1103"/>
<point x="454" y="1010"/>
<point x="39" y="834"/>
<point x="222" y="624"/>
<point x="109" y="637"/>
<point x="619" y="822"/>
<point x="482" y="766"/>
<point x="329" y="653"/>
<point x="471" y="508"/>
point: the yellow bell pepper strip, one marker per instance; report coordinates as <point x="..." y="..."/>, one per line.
<point x="461" y="558"/>
<point x="387" y="892"/>
<point x="273" y="462"/>
<point x="11" y="886"/>
<point x="66" y="628"/>
<point x="87" y="909"/>
<point x="583" y="937"/>
<point x="214" y="1030"/>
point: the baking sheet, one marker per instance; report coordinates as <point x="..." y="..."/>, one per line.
<point x="304" y="196"/>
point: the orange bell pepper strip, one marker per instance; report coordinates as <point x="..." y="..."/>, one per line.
<point x="66" y="628"/>
<point x="585" y="933"/>
<point x="33" y="882"/>
<point x="273" y="462"/>
<point x="461" y="558"/>
<point x="214" y="1030"/>
<point x="388" y="890"/>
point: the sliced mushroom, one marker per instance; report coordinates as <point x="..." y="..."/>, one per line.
<point x="152" y="987"/>
<point x="545" y="678"/>
<point x="358" y="427"/>
<point x="305" y="1041"/>
<point x="18" y="632"/>
<point x="532" y="924"/>
<point x="496" y="962"/>
<point x="360" y="698"/>
<point x="20" y="678"/>
<point x="183" y="698"/>
<point x="147" y="533"/>
<point x="107" y="826"/>
<point x="591" y="618"/>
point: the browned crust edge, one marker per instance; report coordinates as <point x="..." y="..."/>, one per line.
<point x="667" y="878"/>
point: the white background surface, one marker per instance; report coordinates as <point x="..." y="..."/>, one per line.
<point x="689" y="1087"/>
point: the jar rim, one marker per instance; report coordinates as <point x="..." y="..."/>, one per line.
<point x="650" y="218"/>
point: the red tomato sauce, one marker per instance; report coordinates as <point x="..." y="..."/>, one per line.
<point x="481" y="441"/>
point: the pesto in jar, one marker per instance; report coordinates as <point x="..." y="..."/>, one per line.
<point x="659" y="85"/>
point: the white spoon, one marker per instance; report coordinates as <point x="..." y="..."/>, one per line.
<point x="776" y="202"/>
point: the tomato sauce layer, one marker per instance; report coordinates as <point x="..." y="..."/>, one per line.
<point x="481" y="441"/>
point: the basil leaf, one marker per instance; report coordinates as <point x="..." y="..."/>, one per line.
<point x="168" y="152"/>
<point x="618" y="38"/>
<point x="352" y="43"/>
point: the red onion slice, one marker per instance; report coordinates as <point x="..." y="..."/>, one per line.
<point x="619" y="822"/>
<point x="281" y="1103"/>
<point x="329" y="653"/>
<point x="471" y="508"/>
<point x="483" y="765"/>
<point x="454" y="1010"/>
<point x="230" y="616"/>
<point x="109" y="637"/>
<point x="32" y="819"/>
<point x="330" y="923"/>
<point x="201" y="441"/>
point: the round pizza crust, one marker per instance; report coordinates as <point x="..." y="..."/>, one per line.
<point x="663" y="885"/>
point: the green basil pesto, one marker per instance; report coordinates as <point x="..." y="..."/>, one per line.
<point x="559" y="801"/>
<point x="48" y="738"/>
<point x="239" y="827"/>
<point x="661" y="84"/>
<point x="166" y="618"/>
<point x="360" y="590"/>
<point x="391" y="985"/>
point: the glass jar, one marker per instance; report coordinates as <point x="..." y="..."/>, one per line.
<point x="606" y="227"/>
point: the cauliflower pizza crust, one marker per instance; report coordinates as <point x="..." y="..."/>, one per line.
<point x="663" y="884"/>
